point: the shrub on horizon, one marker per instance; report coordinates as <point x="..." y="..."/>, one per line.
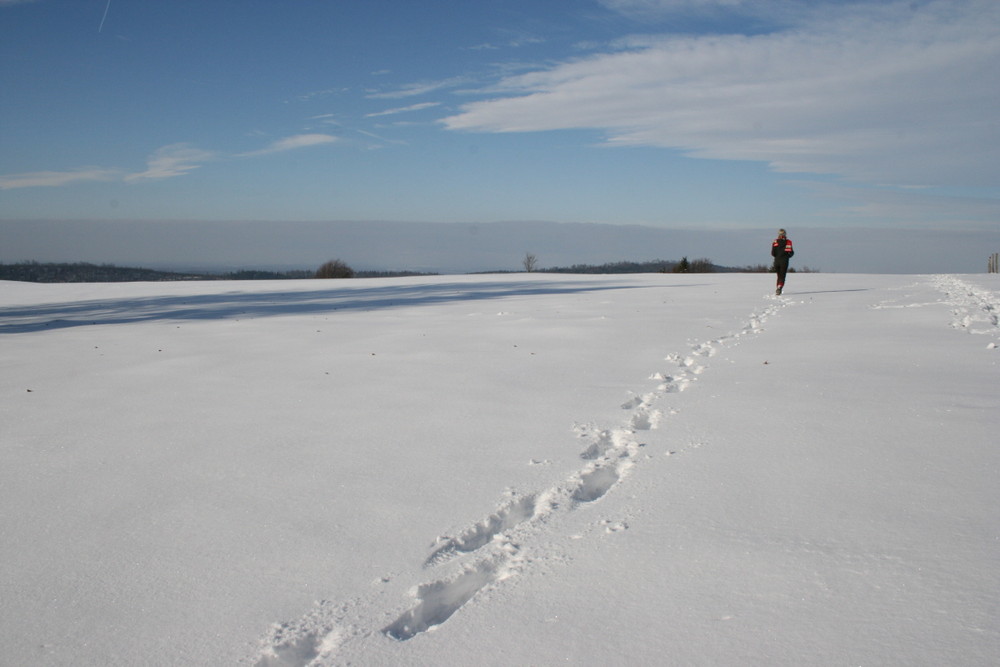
<point x="335" y="268"/>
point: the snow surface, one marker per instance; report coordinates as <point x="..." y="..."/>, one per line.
<point x="522" y="469"/>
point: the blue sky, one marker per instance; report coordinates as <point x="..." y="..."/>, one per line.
<point x="705" y="114"/>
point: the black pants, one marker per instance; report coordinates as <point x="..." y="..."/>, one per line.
<point x="781" y="268"/>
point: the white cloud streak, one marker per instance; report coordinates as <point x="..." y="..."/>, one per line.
<point x="50" y="179"/>
<point x="166" y="162"/>
<point x="647" y="7"/>
<point x="902" y="94"/>
<point x="399" y="110"/>
<point x="417" y="89"/>
<point x="170" y="161"/>
<point x="293" y="143"/>
<point x="104" y="17"/>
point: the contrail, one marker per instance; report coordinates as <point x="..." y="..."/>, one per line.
<point x="104" y="18"/>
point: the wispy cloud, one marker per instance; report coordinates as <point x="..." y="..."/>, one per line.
<point x="380" y="138"/>
<point x="170" y="161"/>
<point x="398" y="110"/>
<point x="104" y="17"/>
<point x="645" y="7"/>
<point x="311" y="95"/>
<point x="293" y="143"/>
<point x="50" y="179"/>
<point x="901" y="93"/>
<point x="419" y="88"/>
<point x="166" y="162"/>
<point x="508" y="39"/>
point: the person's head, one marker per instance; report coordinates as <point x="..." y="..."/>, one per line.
<point x="781" y="233"/>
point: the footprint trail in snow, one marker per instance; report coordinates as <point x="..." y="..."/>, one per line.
<point x="975" y="309"/>
<point x="490" y="551"/>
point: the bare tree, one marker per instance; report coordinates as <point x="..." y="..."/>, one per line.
<point x="530" y="261"/>
<point x="335" y="269"/>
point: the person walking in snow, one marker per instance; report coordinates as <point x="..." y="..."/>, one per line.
<point x="781" y="251"/>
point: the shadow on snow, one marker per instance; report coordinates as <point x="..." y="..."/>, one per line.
<point x="269" y="304"/>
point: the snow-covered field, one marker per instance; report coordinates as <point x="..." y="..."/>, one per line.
<point x="523" y="469"/>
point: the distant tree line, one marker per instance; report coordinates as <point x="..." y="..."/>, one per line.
<point x="702" y="265"/>
<point x="336" y="268"/>
<point x="83" y="272"/>
<point x="253" y="274"/>
<point x="391" y="274"/>
<point x="655" y="266"/>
